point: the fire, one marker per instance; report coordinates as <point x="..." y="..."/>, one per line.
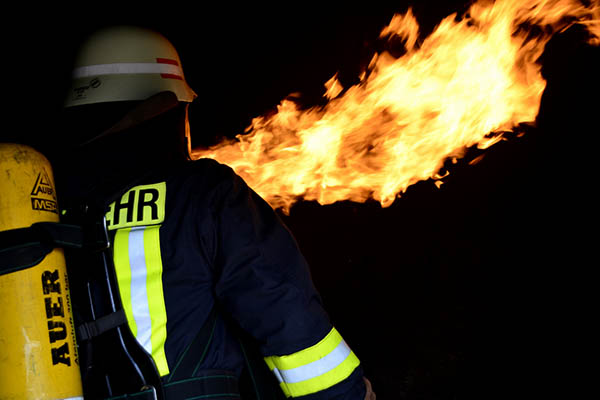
<point x="471" y="77"/>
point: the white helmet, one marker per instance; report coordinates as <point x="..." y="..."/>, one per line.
<point x="126" y="63"/>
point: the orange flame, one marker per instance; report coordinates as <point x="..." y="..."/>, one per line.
<point x="467" y="79"/>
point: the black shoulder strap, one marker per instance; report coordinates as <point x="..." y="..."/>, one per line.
<point x="26" y="247"/>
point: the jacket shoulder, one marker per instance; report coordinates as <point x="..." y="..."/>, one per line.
<point x="204" y="171"/>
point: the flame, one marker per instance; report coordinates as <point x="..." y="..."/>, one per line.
<point x="469" y="78"/>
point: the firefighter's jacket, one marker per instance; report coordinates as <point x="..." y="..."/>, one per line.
<point x="201" y="236"/>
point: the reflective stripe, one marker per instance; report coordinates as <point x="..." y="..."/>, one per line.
<point x="139" y="295"/>
<point x="127" y="68"/>
<point x="121" y="259"/>
<point x="138" y="265"/>
<point x="318" y="367"/>
<point x="315" y="368"/>
<point x="156" y="300"/>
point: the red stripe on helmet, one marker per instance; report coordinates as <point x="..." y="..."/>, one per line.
<point x="171" y="76"/>
<point x="167" y="61"/>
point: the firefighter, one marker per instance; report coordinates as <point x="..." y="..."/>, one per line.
<point x="205" y="271"/>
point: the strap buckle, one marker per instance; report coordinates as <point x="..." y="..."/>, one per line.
<point x="93" y="224"/>
<point x="103" y="324"/>
<point x="153" y="392"/>
<point x="96" y="236"/>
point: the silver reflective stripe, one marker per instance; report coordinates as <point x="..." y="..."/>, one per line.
<point x="139" y="294"/>
<point x="127" y="68"/>
<point x="316" y="368"/>
<point x="278" y="375"/>
<point x="73" y="398"/>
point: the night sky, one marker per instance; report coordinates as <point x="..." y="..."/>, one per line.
<point x="480" y="289"/>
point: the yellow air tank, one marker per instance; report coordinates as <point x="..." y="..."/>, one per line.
<point x="38" y="353"/>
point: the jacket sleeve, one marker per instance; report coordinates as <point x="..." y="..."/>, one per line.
<point x="264" y="282"/>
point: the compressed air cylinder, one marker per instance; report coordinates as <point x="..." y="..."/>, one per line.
<point x="38" y="353"/>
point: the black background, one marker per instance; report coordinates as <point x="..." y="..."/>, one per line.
<point x="480" y="289"/>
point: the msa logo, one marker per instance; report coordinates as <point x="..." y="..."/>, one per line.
<point x="142" y="205"/>
<point x="43" y="196"/>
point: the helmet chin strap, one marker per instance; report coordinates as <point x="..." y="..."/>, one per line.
<point x="148" y="109"/>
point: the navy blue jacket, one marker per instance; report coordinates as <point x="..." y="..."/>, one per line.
<point x="221" y="244"/>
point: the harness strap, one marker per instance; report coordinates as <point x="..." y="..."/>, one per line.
<point x="103" y="324"/>
<point x="26" y="247"/>
<point x="147" y="393"/>
<point x="210" y="384"/>
<point x="23" y="248"/>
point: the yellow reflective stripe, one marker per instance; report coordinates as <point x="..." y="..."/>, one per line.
<point x="123" y="270"/>
<point x="139" y="294"/>
<point x="138" y="266"/>
<point x="284" y="389"/>
<point x="326" y="380"/>
<point x="315" y="368"/>
<point x="310" y="354"/>
<point x="282" y="385"/>
<point x="156" y="301"/>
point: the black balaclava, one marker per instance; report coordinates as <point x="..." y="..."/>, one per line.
<point x="107" y="148"/>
